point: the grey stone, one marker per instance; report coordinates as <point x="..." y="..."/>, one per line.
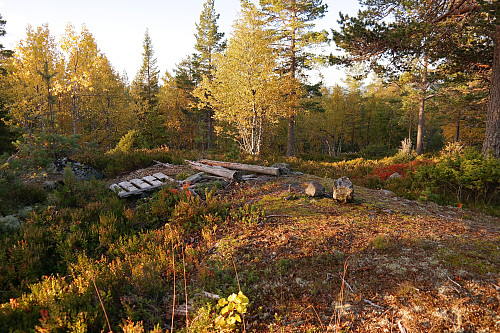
<point x="343" y="189"/>
<point x="395" y="175"/>
<point x="283" y="167"/>
<point x="387" y="192"/>
<point x="315" y="189"/>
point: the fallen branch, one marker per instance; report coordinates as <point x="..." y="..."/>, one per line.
<point x="216" y="170"/>
<point x="454" y="282"/>
<point x="274" y="216"/>
<point x="244" y="167"/>
<point x="373" y="304"/>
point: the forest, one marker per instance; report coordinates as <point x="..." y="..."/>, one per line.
<point x="415" y="126"/>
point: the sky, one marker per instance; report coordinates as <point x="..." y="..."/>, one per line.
<point x="119" y="27"/>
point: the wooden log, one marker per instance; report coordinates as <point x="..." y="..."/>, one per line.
<point x="194" y="178"/>
<point x="216" y="170"/>
<point x="244" y="167"/>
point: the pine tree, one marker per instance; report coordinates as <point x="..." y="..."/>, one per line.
<point x="391" y="34"/>
<point x="208" y="43"/>
<point x="293" y="19"/>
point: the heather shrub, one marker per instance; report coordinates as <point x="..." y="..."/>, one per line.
<point x="462" y="178"/>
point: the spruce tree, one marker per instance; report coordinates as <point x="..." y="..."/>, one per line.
<point x="208" y="42"/>
<point x="146" y="83"/>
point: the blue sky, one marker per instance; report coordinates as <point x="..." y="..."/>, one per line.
<point x="119" y="26"/>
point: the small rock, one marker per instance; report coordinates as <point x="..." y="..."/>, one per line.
<point x="387" y="192"/>
<point x="343" y="190"/>
<point x="395" y="175"/>
<point x="315" y="189"/>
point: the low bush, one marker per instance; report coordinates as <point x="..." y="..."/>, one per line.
<point x="117" y="162"/>
<point x="468" y="177"/>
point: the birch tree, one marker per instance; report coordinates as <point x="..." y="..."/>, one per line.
<point x="246" y="93"/>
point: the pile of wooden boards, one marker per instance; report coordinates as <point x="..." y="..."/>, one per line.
<point x="221" y="170"/>
<point x="138" y="186"/>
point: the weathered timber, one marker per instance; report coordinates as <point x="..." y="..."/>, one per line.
<point x="216" y="170"/>
<point x="163" y="177"/>
<point x="244" y="167"/>
<point x="193" y="179"/>
<point x="140" y="184"/>
<point x="152" y="180"/>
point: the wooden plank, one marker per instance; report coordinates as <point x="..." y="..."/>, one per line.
<point x="128" y="186"/>
<point x="117" y="189"/>
<point x="140" y="184"/>
<point x="152" y="180"/>
<point x="163" y="177"/>
<point x="244" y="167"/>
<point x="217" y="170"/>
<point x="193" y="179"/>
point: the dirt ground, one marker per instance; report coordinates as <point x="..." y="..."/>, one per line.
<point x="378" y="264"/>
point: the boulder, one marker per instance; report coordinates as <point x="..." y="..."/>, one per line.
<point x="283" y="167"/>
<point x="315" y="189"/>
<point x="343" y="190"/>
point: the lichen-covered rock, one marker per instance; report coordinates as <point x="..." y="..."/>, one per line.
<point x="343" y="190"/>
<point x="315" y="189"/>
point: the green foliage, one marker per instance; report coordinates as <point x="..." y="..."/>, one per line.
<point x="39" y="150"/>
<point x="129" y="142"/>
<point x="75" y="193"/>
<point x="230" y="311"/>
<point x="248" y="215"/>
<point x="463" y="178"/>
<point x="115" y="163"/>
<point x="15" y="194"/>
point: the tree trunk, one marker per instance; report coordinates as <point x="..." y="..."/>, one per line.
<point x="492" y="135"/>
<point x="291" y="120"/>
<point x="290" y="137"/>
<point x="210" y="129"/>
<point x="421" y="111"/>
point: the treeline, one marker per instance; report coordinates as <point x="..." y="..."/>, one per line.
<point x="251" y="93"/>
